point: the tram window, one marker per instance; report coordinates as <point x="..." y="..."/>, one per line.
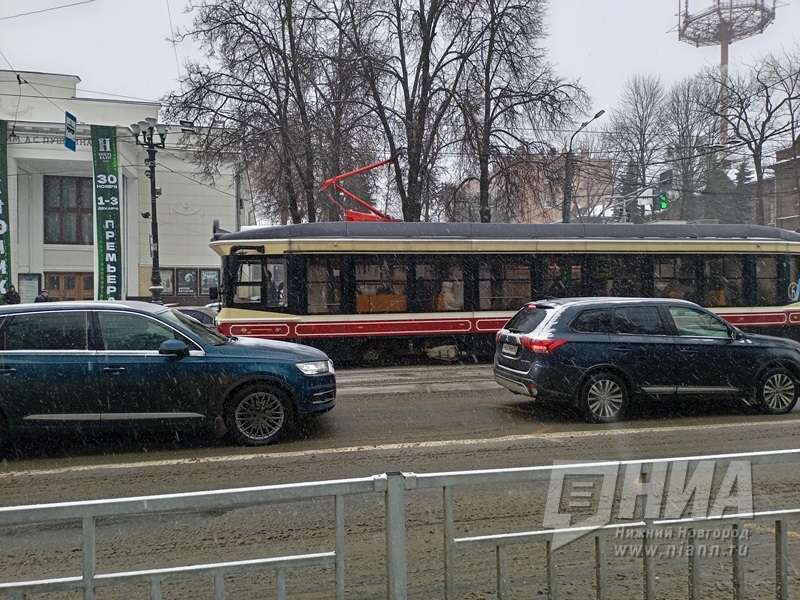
<point x="767" y="284"/>
<point x="674" y="277"/>
<point x="439" y="285"/>
<point x="504" y="282"/>
<point x="562" y="277"/>
<point x="324" y="279"/>
<point x="617" y="276"/>
<point x="261" y="281"/>
<point x="724" y="281"/>
<point x="793" y="291"/>
<point x="380" y="284"/>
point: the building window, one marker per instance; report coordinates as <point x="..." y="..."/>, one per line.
<point x="68" y="210"/>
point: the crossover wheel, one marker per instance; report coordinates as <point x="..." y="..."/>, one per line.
<point x="258" y="415"/>
<point x="777" y="391"/>
<point x="604" y="398"/>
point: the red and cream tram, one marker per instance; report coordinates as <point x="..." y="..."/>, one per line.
<point x="378" y="291"/>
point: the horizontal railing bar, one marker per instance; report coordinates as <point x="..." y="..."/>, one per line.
<point x="194" y="501"/>
<point x="66" y="583"/>
<point x="543" y="472"/>
<point x="520" y="537"/>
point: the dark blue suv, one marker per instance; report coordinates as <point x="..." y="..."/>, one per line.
<point x="599" y="354"/>
<point x="106" y="364"/>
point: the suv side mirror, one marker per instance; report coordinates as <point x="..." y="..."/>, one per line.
<point x="213" y="293"/>
<point x="736" y="335"/>
<point x="175" y="348"/>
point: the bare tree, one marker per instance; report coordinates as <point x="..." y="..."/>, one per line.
<point x="412" y="56"/>
<point x="756" y="106"/>
<point x="637" y="128"/>
<point x="279" y="88"/>
<point x="509" y="90"/>
<point x="689" y="132"/>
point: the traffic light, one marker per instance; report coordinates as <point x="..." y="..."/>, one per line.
<point x="663" y="201"/>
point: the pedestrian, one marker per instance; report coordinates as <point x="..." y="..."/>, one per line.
<point x="43" y="296"/>
<point x="12" y="296"/>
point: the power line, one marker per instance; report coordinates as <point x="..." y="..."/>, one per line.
<point x="172" y="39"/>
<point x="44" y="10"/>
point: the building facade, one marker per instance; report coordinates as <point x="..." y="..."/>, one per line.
<point x="51" y="203"/>
<point x="787" y="187"/>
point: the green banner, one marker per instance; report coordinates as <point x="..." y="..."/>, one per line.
<point x="5" y="221"/>
<point x="108" y="230"/>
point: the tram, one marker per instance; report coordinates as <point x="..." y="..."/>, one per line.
<point x="373" y="291"/>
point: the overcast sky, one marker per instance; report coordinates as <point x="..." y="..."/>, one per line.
<point x="121" y="47"/>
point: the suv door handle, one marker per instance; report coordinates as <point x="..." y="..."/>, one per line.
<point x="623" y="349"/>
<point x="113" y="370"/>
<point x="7" y="370"/>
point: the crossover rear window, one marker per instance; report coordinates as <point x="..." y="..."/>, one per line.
<point x="527" y="319"/>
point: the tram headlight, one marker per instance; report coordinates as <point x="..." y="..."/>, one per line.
<point x="317" y="367"/>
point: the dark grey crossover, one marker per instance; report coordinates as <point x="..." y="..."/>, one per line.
<point x="601" y="354"/>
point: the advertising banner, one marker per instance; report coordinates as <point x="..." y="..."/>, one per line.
<point x="107" y="218"/>
<point x="5" y="221"/>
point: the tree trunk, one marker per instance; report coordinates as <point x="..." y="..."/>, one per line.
<point x="759" y="198"/>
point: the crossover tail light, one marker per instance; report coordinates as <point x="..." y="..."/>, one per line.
<point x="541" y="346"/>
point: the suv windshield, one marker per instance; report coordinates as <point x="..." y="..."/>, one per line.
<point x="207" y="335"/>
<point x="527" y="319"/>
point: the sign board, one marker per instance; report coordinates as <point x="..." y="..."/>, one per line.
<point x="107" y="216"/>
<point x="5" y="221"/>
<point x="70" y="129"/>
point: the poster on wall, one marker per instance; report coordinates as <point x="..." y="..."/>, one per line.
<point x="107" y="218"/>
<point x="186" y="282"/>
<point x="168" y="281"/>
<point x="5" y="232"/>
<point x="208" y="278"/>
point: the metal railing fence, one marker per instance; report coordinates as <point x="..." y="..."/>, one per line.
<point x="396" y="487"/>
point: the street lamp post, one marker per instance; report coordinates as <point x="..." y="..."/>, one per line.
<point x="567" y="204"/>
<point x="144" y="132"/>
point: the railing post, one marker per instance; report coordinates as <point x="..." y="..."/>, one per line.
<point x="449" y="546"/>
<point x="88" y="558"/>
<point x="502" y="578"/>
<point x="396" y="538"/>
<point x="219" y="586"/>
<point x="738" y="571"/>
<point x="601" y="566"/>
<point x="155" y="589"/>
<point x="280" y="581"/>
<point x="649" y="589"/>
<point x="781" y="561"/>
<point x="340" y="543"/>
<point x="552" y="583"/>
<point x="694" y="566"/>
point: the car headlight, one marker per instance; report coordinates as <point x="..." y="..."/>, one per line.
<point x="315" y="368"/>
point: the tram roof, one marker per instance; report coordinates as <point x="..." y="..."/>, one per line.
<point x="493" y="231"/>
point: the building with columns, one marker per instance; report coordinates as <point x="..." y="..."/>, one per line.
<point x="51" y="204"/>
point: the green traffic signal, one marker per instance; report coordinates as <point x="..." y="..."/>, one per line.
<point x="664" y="201"/>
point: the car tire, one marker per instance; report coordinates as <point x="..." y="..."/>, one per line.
<point x="604" y="397"/>
<point x="777" y="391"/>
<point x="259" y="414"/>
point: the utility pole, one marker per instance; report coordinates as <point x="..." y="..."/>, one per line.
<point x="148" y="129"/>
<point x="566" y="206"/>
